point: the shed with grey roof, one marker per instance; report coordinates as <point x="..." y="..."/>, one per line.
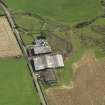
<point x="41" y="47"/>
<point x="48" y="61"/>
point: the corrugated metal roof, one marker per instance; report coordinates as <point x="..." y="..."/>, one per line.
<point x="42" y="47"/>
<point x="48" y="61"/>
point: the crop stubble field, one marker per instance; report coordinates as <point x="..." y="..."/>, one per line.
<point x="8" y="44"/>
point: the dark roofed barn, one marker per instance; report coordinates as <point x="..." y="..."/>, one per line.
<point x="48" y="76"/>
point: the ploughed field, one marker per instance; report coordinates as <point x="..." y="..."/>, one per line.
<point x="8" y="44"/>
<point x="88" y="86"/>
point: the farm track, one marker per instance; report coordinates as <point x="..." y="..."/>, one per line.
<point x="23" y="48"/>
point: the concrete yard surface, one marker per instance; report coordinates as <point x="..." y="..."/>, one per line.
<point x="8" y="43"/>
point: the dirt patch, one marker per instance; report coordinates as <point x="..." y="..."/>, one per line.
<point x="88" y="87"/>
<point x="60" y="45"/>
<point x="8" y="44"/>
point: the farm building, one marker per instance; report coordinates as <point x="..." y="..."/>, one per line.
<point x="41" y="47"/>
<point x="54" y="61"/>
<point x="43" y="61"/>
<point x="48" y="61"/>
<point x="48" y="76"/>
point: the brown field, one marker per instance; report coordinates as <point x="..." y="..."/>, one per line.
<point x="8" y="44"/>
<point x="88" y="85"/>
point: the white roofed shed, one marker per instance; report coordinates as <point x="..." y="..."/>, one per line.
<point x="48" y="61"/>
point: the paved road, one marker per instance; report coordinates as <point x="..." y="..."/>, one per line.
<point x="17" y="35"/>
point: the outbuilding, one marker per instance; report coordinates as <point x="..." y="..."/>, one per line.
<point x="48" y="76"/>
<point x="41" y="47"/>
<point x="48" y="61"/>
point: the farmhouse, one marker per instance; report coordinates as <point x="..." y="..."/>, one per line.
<point x="41" y="46"/>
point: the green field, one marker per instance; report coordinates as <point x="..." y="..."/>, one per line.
<point x="60" y="10"/>
<point x="29" y="23"/>
<point x="16" y="86"/>
<point x="64" y="11"/>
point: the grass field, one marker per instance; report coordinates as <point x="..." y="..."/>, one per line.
<point x="16" y="87"/>
<point x="90" y="40"/>
<point x="64" y="11"/>
<point x="29" y="25"/>
<point x="65" y="75"/>
<point x="60" y="10"/>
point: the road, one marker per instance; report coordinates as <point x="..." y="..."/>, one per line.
<point x="23" y="48"/>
